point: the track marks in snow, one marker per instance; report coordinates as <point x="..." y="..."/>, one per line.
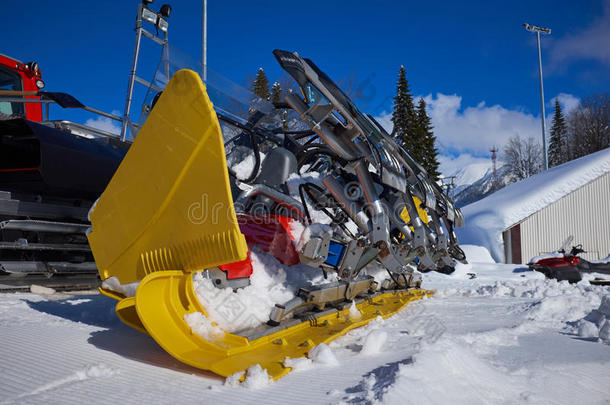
<point x="92" y="371"/>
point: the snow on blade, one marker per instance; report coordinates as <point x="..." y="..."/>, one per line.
<point x="354" y="313"/>
<point x="113" y="284"/>
<point x="202" y="326"/>
<point x="249" y="306"/>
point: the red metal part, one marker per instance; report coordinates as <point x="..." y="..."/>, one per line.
<point x="558" y="262"/>
<point x="33" y="111"/>
<point x="271" y="234"/>
<point x="238" y="269"/>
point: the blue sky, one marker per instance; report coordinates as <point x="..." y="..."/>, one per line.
<point x="472" y="60"/>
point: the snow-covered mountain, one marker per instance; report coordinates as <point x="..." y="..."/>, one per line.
<point x="475" y="181"/>
<point x="467" y="175"/>
<point x="481" y="188"/>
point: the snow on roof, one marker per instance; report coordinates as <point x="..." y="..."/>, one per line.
<point x="486" y="219"/>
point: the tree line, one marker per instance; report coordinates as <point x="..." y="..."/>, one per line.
<point x="583" y="131"/>
<point x="413" y="128"/>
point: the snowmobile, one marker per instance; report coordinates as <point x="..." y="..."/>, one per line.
<point x="569" y="266"/>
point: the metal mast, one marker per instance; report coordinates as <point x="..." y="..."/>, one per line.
<point x="538" y="30"/>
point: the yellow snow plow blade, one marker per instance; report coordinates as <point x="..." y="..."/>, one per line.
<point x="169" y="204"/>
<point x="164" y="298"/>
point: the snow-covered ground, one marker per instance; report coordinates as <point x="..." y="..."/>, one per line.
<point x="492" y="334"/>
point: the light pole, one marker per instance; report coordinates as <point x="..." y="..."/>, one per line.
<point x="204" y="40"/>
<point x="538" y="30"/>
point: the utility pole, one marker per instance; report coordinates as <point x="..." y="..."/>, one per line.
<point x="538" y="30"/>
<point x="495" y="181"/>
<point x="204" y="41"/>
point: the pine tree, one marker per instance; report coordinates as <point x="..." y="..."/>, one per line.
<point x="260" y="85"/>
<point x="276" y="93"/>
<point x="558" y="141"/>
<point x="427" y="140"/>
<point x="404" y="117"/>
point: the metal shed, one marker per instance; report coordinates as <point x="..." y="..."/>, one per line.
<point x="584" y="213"/>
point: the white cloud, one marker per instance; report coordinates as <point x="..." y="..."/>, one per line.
<point x="476" y="129"/>
<point x="465" y="135"/>
<point x="385" y="119"/>
<point x="567" y="101"/>
<point x="105" y="124"/>
<point x="593" y="42"/>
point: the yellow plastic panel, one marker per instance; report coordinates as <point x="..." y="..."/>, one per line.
<point x="423" y="214"/>
<point x="126" y="311"/>
<point x="163" y="298"/>
<point x="169" y="204"/>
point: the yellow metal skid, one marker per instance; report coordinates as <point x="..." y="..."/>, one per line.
<point x="163" y="298"/>
<point x="168" y="212"/>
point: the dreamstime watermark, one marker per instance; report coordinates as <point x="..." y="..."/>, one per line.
<point x="262" y="210"/>
<point x="204" y="212"/>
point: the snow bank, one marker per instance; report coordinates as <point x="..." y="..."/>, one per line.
<point x="487" y="218"/>
<point x="374" y="342"/>
<point x="557" y="302"/>
<point x="450" y="372"/>
<point x="477" y="254"/>
<point x="597" y="323"/>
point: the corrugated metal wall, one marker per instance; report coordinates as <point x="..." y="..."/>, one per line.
<point x="584" y="213"/>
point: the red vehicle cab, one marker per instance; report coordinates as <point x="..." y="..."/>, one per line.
<point x="16" y="76"/>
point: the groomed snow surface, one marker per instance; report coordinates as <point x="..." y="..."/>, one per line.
<point x="492" y="334"/>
